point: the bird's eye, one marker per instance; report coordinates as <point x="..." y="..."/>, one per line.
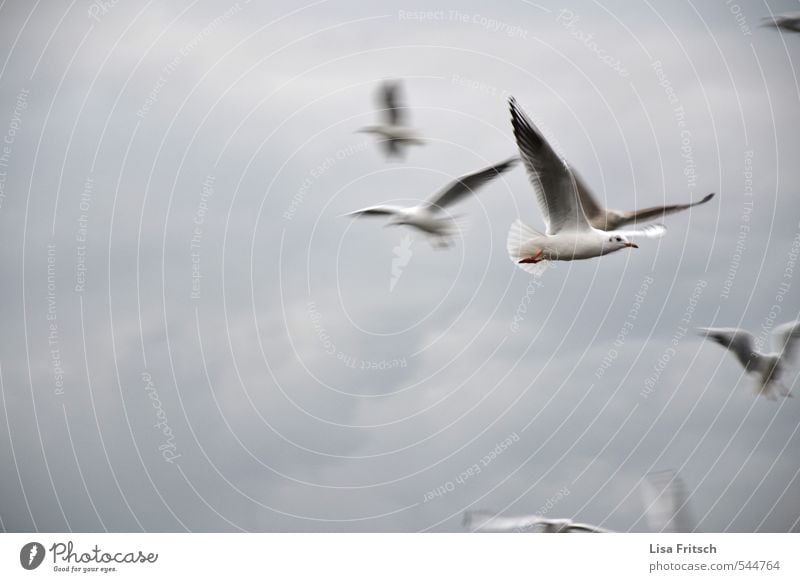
<point x="619" y="239"/>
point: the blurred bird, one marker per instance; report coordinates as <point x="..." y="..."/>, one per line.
<point x="569" y="235"/>
<point x="429" y="216"/>
<point x="767" y="367"/>
<point x="666" y="503"/>
<point x="393" y="133"/>
<point x="486" y="521"/>
<point x="789" y="21"/>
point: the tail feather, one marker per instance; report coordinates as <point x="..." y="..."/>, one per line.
<point x="521" y="244"/>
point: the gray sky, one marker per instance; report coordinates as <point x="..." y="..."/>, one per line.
<point x="127" y="128"/>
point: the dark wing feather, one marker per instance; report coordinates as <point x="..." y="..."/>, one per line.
<point x="391" y="147"/>
<point x="740" y="342"/>
<point x="584" y="528"/>
<point x="653" y="213"/>
<point x="375" y="211"/>
<point x="551" y="177"/>
<point x="391" y="101"/>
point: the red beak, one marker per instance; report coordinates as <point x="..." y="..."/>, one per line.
<point x="632" y="245"/>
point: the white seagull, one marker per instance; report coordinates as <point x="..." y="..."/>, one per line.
<point x="569" y="235"/>
<point x="789" y="21"/>
<point x="486" y="521"/>
<point x="429" y="217"/>
<point x="767" y="367"/>
<point x="393" y="133"/>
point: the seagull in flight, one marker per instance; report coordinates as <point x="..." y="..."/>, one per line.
<point x="767" y="367"/>
<point x="486" y="521"/>
<point x="569" y="236"/>
<point x="394" y="134"/>
<point x="665" y="507"/>
<point x="431" y="217"/>
<point x="789" y="21"/>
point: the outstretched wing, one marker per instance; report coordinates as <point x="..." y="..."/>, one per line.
<point x="383" y="210"/>
<point x="786" y="338"/>
<point x="487" y="521"/>
<point x="555" y="186"/>
<point x="391" y="103"/>
<point x="458" y="189"/>
<point x="653" y="213"/>
<point x="790" y="22"/>
<point x="738" y="341"/>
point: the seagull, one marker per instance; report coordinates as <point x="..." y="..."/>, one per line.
<point x="429" y="216"/>
<point x="767" y="367"/>
<point x="569" y="235"/>
<point x="789" y="21"/>
<point x="486" y="521"/>
<point x="666" y="503"/>
<point x="394" y="134"/>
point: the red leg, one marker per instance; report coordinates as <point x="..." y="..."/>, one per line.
<point x="537" y="258"/>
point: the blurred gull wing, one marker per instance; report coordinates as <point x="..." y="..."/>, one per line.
<point x="788" y="21"/>
<point x="738" y="341"/>
<point x="585" y="528"/>
<point x="488" y="521"/>
<point x="550" y="175"/>
<point x="666" y="502"/>
<point x="785" y="338"/>
<point x="468" y="184"/>
<point x="390" y="99"/>
<point x="381" y="210"/>
<point x="391" y="148"/>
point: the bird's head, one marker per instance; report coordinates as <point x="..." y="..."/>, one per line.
<point x="620" y="241"/>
